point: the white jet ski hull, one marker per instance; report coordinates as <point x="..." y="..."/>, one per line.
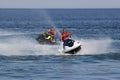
<point x="74" y="49"/>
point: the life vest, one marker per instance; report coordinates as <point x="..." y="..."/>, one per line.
<point x="52" y="31"/>
<point x="65" y="35"/>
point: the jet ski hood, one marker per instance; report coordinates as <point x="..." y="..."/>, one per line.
<point x="45" y="39"/>
<point x="71" y="46"/>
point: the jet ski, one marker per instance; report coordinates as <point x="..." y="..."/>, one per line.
<point x="71" y="46"/>
<point x="45" y="38"/>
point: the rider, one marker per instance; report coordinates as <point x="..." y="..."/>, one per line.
<point x="52" y="31"/>
<point x="52" y="34"/>
<point x="64" y="35"/>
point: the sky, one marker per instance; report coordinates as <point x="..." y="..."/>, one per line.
<point x="59" y="3"/>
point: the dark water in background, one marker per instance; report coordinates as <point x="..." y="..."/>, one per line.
<point x="22" y="58"/>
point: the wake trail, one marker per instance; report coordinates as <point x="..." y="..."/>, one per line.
<point x="22" y="46"/>
<point x="95" y="46"/>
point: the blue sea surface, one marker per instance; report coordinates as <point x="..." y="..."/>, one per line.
<point x="23" y="58"/>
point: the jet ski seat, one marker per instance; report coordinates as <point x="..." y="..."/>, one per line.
<point x="69" y="42"/>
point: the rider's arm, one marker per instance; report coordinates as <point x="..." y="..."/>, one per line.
<point x="69" y="35"/>
<point x="61" y="38"/>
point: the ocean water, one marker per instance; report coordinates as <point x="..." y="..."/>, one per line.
<point x="23" y="58"/>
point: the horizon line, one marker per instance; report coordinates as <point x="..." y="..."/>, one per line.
<point x="59" y="8"/>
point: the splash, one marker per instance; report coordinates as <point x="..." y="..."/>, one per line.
<point x="22" y="45"/>
<point x="14" y="33"/>
<point x="95" y="46"/>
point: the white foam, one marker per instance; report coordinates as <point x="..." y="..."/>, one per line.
<point x="22" y="46"/>
<point x="95" y="46"/>
<point x="14" y="33"/>
<point x="26" y="46"/>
